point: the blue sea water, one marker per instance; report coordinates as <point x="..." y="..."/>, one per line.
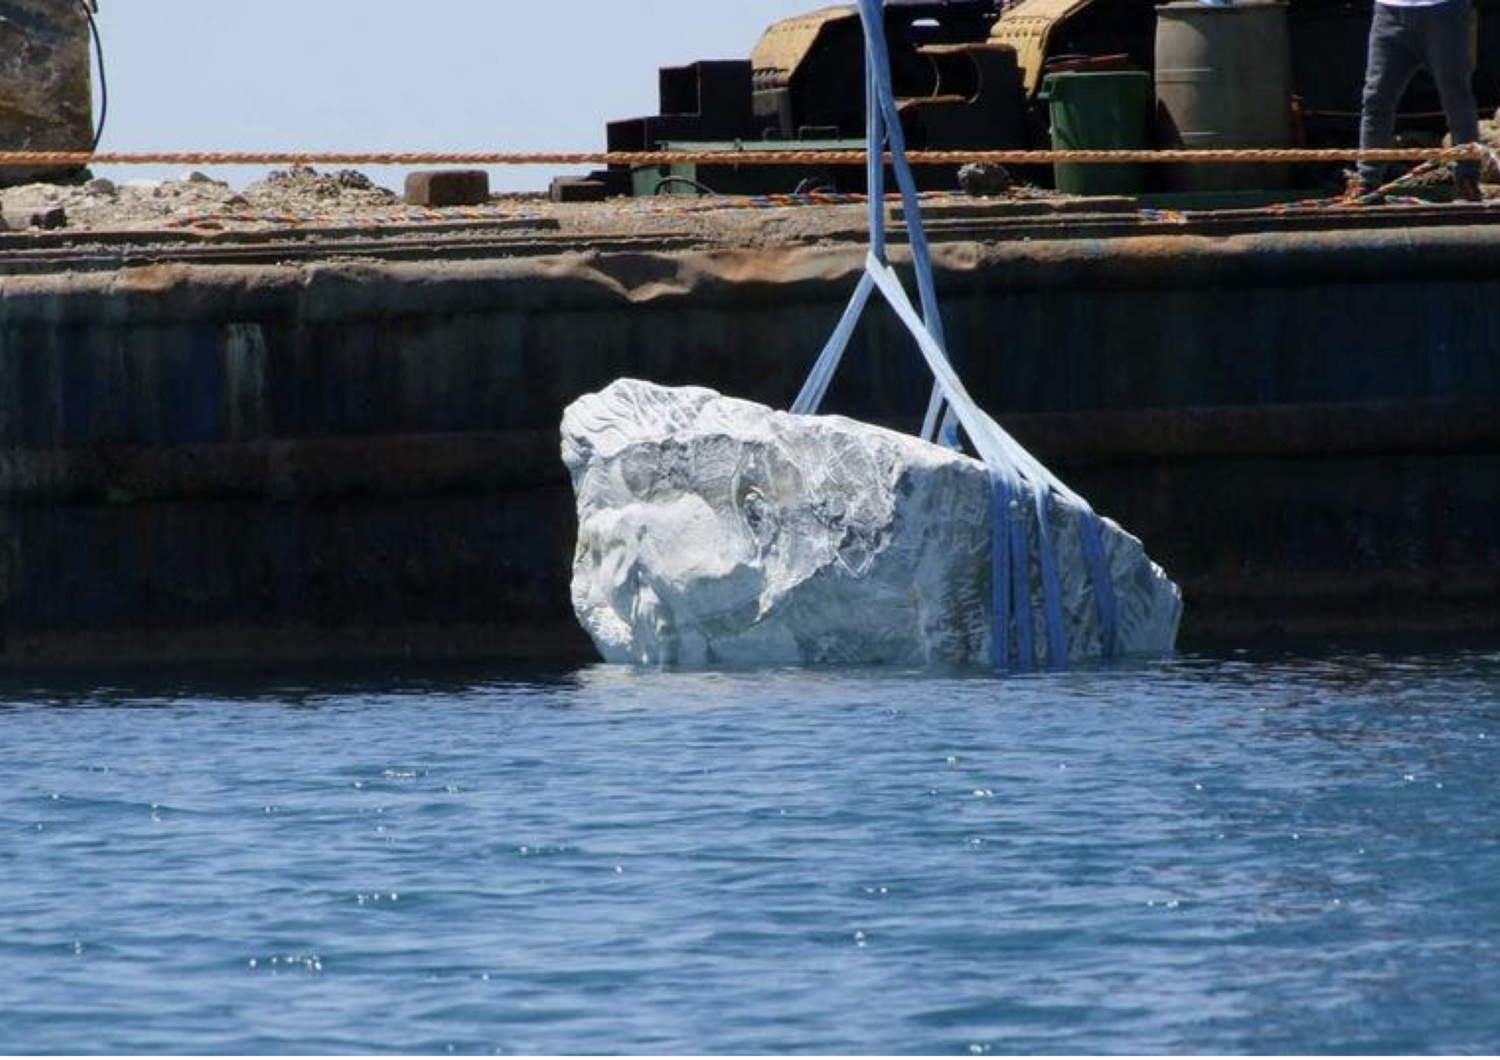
<point x="1209" y="854"/>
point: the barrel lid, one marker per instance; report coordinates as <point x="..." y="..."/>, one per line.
<point x="1124" y="75"/>
<point x="1054" y="84"/>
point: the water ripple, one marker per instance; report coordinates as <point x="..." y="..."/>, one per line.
<point x="1282" y="854"/>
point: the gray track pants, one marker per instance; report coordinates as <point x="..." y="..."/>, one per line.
<point x="1402" y="41"/>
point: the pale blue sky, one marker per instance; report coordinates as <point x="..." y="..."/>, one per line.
<point x="356" y="75"/>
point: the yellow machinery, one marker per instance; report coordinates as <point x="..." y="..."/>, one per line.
<point x="1029" y="28"/>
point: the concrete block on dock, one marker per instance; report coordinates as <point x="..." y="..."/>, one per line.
<point x="448" y="187"/>
<point x="578" y="189"/>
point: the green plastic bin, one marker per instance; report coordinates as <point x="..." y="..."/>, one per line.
<point x="1099" y="111"/>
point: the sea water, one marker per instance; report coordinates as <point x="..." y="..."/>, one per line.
<point x="1209" y="854"/>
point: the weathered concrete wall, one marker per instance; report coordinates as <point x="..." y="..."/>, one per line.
<point x="355" y="459"/>
<point x="46" y="94"/>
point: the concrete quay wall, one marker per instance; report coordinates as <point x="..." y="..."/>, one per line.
<point x="355" y="459"/>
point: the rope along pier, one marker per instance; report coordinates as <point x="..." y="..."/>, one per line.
<point x="757" y="156"/>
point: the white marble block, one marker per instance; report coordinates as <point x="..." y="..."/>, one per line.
<point x="718" y="531"/>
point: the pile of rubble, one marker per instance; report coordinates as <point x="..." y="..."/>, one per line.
<point x="101" y="203"/>
<point x="303" y="186"/>
<point x="1489" y="135"/>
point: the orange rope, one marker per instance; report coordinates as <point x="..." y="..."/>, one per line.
<point x="748" y="157"/>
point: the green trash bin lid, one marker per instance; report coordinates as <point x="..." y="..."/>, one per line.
<point x="1060" y="84"/>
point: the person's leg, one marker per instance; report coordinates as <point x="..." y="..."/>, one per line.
<point x="1394" y="60"/>
<point x="1448" y="54"/>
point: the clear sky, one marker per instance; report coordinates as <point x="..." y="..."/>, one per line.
<point x="357" y="75"/>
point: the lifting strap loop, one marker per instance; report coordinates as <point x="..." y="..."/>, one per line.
<point x="1014" y="472"/>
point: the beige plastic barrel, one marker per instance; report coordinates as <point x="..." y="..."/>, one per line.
<point x="46" y="91"/>
<point x="1224" y="80"/>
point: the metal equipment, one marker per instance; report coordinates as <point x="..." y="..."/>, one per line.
<point x="966" y="75"/>
<point x="1328" y="42"/>
<point x="803" y="87"/>
<point x="46" y="87"/>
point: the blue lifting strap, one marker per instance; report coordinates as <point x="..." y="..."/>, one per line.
<point x="1000" y="521"/>
<point x="1015" y="473"/>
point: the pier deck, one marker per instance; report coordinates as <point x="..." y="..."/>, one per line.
<point x="313" y="440"/>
